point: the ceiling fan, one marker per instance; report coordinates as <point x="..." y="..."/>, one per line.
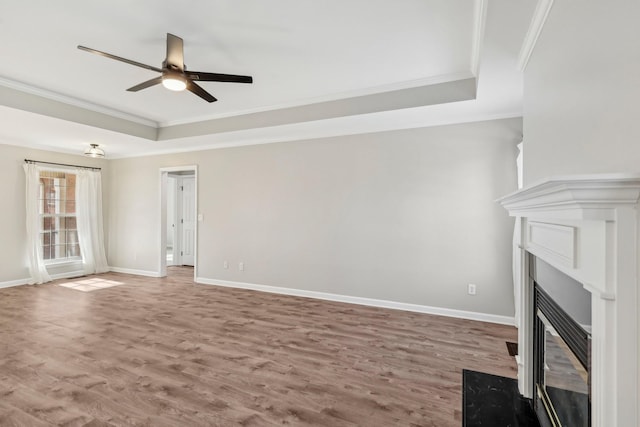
<point x="175" y="75"/>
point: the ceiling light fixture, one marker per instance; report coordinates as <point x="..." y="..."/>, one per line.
<point x="173" y="80"/>
<point x="94" y="151"/>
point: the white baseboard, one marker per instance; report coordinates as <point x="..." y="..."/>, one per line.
<point x="134" y="272"/>
<point x="67" y="275"/>
<point x="461" y="314"/>
<point x="79" y="273"/>
<point x="519" y="360"/>
<point x="12" y="283"/>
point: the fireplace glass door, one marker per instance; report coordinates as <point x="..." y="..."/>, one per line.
<point x="561" y="347"/>
<point x="564" y="389"/>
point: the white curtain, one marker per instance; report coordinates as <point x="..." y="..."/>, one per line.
<point x="37" y="269"/>
<point x="89" y="220"/>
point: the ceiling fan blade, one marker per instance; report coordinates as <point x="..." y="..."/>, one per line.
<point x="194" y="88"/>
<point x="215" y="77"/>
<point x="175" y="51"/>
<point x="144" y="85"/>
<point x="117" y="58"/>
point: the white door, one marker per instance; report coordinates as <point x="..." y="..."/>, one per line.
<point x="188" y="219"/>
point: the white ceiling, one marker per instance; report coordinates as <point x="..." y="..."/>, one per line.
<point x="300" y="53"/>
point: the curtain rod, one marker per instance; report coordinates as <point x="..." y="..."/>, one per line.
<point x="62" y="164"/>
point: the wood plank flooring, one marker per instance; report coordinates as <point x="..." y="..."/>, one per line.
<point x="168" y="352"/>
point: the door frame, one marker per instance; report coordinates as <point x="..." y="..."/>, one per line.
<point x="164" y="174"/>
<point x="174" y="231"/>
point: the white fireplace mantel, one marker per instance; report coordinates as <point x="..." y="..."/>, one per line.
<point x="587" y="227"/>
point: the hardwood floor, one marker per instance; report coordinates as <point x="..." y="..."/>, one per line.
<point x="167" y="352"/>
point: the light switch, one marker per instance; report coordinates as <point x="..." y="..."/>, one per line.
<point x="200" y="217"/>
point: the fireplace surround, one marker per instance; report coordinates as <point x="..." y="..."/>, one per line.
<point x="587" y="228"/>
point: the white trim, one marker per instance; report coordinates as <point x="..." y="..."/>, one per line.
<point x="518" y="360"/>
<point x="480" y="19"/>
<point x="134" y="272"/>
<point x="346" y="95"/>
<point x="69" y="100"/>
<point x="300" y="134"/>
<point x="164" y="172"/>
<point x="440" y="311"/>
<point x="577" y="197"/>
<point x="12" y="283"/>
<point x="407" y="84"/>
<point x="162" y="237"/>
<point x="600" y="214"/>
<point x="20" y="282"/>
<point x="538" y="20"/>
<point x="558" y="241"/>
<point x="180" y="168"/>
<point x="327" y="132"/>
<point x="63" y="262"/>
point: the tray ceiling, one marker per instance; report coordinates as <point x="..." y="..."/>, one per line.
<point x="311" y="61"/>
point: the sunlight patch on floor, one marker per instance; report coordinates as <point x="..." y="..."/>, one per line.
<point x="92" y="284"/>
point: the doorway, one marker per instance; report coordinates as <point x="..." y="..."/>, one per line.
<point x="181" y="219"/>
<point x="178" y="224"/>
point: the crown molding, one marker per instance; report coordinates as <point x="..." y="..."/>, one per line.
<point x="479" y="23"/>
<point x="328" y="131"/>
<point x="372" y="90"/>
<point x="159" y="128"/>
<point x="533" y="33"/>
<point x="69" y="100"/>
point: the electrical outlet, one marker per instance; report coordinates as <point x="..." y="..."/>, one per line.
<point x="471" y="289"/>
<point x="226" y="265"/>
<point x="241" y="266"/>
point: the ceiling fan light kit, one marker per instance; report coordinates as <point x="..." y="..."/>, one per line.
<point x="94" y="151"/>
<point x="175" y="76"/>
<point x="174" y="80"/>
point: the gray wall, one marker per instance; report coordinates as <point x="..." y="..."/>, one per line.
<point x="406" y="216"/>
<point x="13" y="262"/>
<point x="581" y="91"/>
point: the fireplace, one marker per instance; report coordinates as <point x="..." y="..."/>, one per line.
<point x="561" y="348"/>
<point x="584" y="230"/>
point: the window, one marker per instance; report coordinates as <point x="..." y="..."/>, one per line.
<point x="57" y="209"/>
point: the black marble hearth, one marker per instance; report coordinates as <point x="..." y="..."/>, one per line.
<point x="494" y="401"/>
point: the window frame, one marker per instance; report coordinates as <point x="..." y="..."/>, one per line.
<point x="56" y="218"/>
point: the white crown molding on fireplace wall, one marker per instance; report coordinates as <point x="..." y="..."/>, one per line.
<point x="589" y="227"/>
<point x="535" y="28"/>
